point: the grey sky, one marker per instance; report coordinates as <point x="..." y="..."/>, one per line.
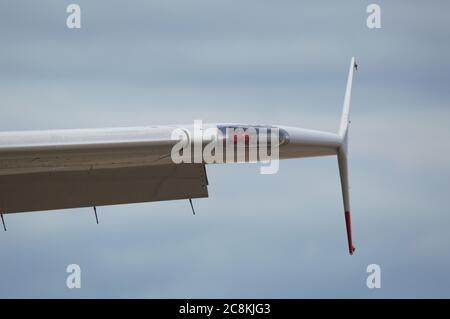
<point x="280" y="62"/>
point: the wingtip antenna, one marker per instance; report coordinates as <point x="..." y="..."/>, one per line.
<point x="3" y="222"/>
<point x="192" y="206"/>
<point x="95" y="212"/>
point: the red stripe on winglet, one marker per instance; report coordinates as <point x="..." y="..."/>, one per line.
<point x="348" y="224"/>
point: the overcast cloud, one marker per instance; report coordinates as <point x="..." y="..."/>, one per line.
<point x="280" y="62"/>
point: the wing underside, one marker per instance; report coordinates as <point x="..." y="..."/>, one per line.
<point x="70" y="189"/>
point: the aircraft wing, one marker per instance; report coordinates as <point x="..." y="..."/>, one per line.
<point x="43" y="170"/>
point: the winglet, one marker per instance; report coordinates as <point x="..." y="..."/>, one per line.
<point x="342" y="155"/>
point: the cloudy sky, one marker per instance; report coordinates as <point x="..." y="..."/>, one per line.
<point x="259" y="61"/>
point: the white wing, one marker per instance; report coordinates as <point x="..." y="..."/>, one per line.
<point x="45" y="170"/>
